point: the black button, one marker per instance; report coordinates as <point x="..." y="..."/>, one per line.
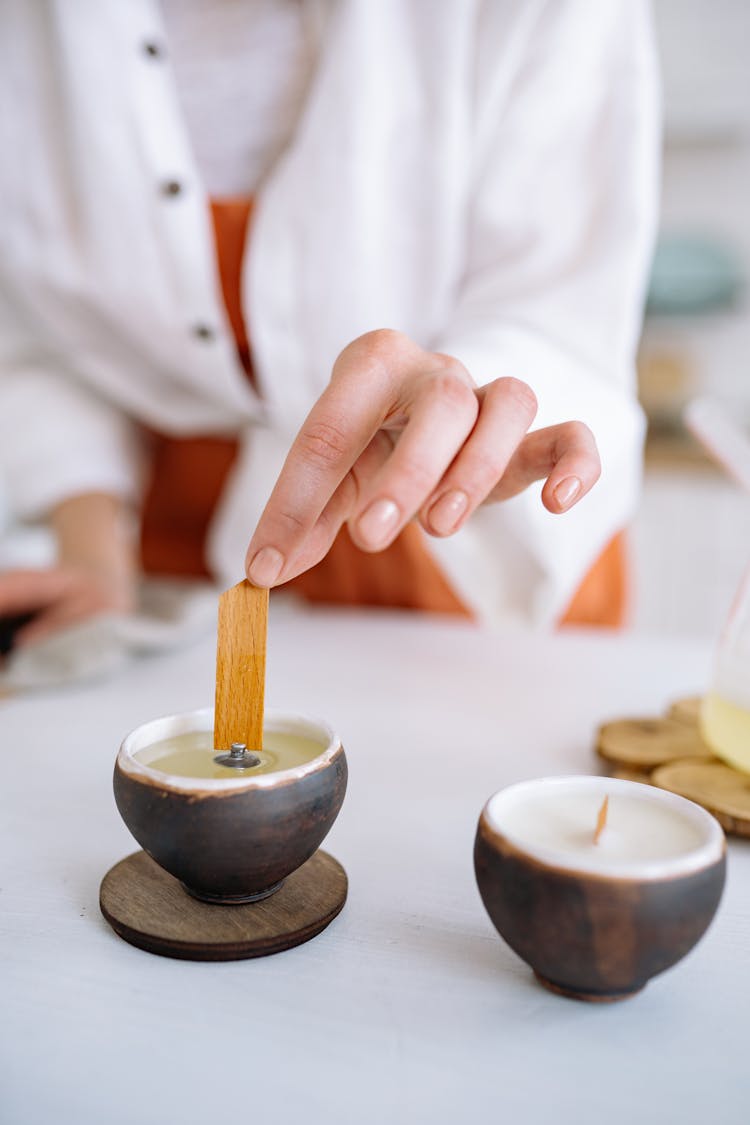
<point x="203" y="332"/>
<point x="171" y="188"/>
<point x="153" y="50"/>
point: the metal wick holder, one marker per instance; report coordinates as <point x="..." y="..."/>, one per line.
<point x="238" y="757"/>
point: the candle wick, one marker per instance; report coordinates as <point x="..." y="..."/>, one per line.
<point x="601" y="820"/>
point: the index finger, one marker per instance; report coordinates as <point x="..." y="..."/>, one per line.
<point x="334" y="435"/>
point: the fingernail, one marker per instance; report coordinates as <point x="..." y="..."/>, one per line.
<point x="567" y="490"/>
<point x="377" y="522"/>
<point x="266" y="566"/>
<point x="445" y="514"/>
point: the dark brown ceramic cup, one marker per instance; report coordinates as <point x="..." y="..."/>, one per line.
<point x="227" y="840"/>
<point x="591" y="926"/>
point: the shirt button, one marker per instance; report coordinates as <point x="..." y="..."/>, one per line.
<point x="170" y="188"/>
<point x="153" y="50"/>
<point x="203" y="332"/>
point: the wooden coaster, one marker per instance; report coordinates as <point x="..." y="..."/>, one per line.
<point x="151" y="909"/>
<point x="686" y="710"/>
<point x="645" y="743"/>
<point x="724" y="791"/>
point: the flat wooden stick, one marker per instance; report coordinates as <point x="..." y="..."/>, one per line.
<point x="601" y="820"/>
<point x="241" y="667"/>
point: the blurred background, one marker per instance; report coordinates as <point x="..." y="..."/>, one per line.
<point x="691" y="540"/>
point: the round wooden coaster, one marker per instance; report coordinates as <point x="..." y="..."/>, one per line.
<point x="150" y="909"/>
<point x="644" y="743"/>
<point x="686" y="710"/>
<point x="725" y="792"/>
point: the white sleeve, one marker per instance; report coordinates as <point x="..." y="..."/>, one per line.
<point x="561" y="224"/>
<point x="58" y="436"/>
<point x="59" y="439"/>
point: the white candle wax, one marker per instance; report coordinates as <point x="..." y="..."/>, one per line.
<point x="649" y="833"/>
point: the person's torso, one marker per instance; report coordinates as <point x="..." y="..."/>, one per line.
<point x="107" y="245"/>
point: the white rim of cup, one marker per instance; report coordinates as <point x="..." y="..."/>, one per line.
<point x="203" y="720"/>
<point x="708" y="852"/>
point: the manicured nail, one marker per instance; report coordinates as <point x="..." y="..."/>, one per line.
<point x="266" y="566"/>
<point x="377" y="522"/>
<point x="445" y="514"/>
<point x="567" y="490"/>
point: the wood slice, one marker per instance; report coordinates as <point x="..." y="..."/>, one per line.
<point x="151" y="909"/>
<point x="686" y="710"/>
<point x="623" y="773"/>
<point x="725" y="792"/>
<point x="645" y="743"/>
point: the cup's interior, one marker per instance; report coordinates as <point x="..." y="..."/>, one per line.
<point x="650" y="833"/>
<point x="133" y="757"/>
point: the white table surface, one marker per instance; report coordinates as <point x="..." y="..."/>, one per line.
<point x="409" y="1007"/>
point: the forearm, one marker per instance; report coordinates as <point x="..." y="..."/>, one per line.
<point x="94" y="533"/>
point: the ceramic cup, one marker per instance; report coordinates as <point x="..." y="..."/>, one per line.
<point x="227" y="840"/>
<point x="594" y="922"/>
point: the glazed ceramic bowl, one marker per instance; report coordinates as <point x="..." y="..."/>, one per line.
<point x="227" y="840"/>
<point x="594" y="928"/>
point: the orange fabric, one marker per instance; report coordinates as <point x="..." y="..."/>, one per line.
<point x="403" y="576"/>
<point x="188" y="476"/>
<point x="230" y="220"/>
<point x="602" y="597"/>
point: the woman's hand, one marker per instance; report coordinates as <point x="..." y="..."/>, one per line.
<point x="96" y="571"/>
<point x="57" y="598"/>
<point x="401" y="433"/>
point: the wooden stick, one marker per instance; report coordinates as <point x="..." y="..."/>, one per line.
<point x="241" y="667"/>
<point x="601" y="820"/>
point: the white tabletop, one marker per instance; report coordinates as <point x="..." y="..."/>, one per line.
<point x="409" y="1007"/>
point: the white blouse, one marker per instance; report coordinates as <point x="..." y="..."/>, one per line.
<point x="242" y="68"/>
<point x="480" y="174"/>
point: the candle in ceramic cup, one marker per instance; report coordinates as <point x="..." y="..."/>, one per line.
<point x="597" y="914"/>
<point x="235" y="836"/>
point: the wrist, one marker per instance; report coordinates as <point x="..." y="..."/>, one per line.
<point x="95" y="536"/>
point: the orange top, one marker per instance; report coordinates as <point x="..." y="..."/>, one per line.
<point x="188" y="476"/>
